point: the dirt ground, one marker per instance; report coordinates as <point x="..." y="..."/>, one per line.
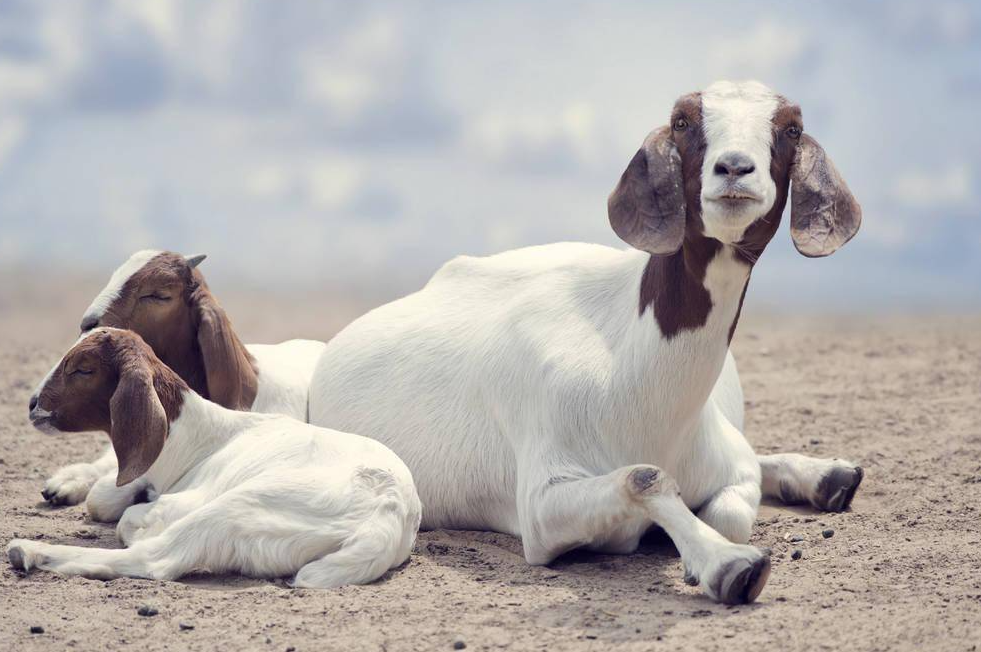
<point x="902" y="571"/>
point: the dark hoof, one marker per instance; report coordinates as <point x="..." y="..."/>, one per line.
<point x="837" y="489"/>
<point x="690" y="578"/>
<point x="16" y="558"/>
<point x="742" y="580"/>
<point x="53" y="498"/>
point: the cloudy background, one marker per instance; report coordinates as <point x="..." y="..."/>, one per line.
<point x="359" y="145"/>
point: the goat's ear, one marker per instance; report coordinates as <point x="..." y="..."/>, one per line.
<point x="139" y="423"/>
<point x="231" y="378"/>
<point x="824" y="214"/>
<point x="647" y="208"/>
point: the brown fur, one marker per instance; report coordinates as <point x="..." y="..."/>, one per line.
<point x="187" y="329"/>
<point x="112" y="381"/>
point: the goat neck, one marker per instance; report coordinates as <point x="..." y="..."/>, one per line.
<point x="197" y="430"/>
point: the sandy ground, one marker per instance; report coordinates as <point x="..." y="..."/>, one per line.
<point x="900" y="396"/>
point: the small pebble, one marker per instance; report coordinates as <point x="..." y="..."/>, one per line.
<point x="147" y="611"/>
<point x="185" y="626"/>
<point x="797" y="554"/>
<point x="37" y="629"/>
<point x="459" y="645"/>
<point x="827" y="534"/>
<point x="795" y="538"/>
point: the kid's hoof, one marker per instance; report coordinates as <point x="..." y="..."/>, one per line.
<point x="837" y="489"/>
<point x="16" y="557"/>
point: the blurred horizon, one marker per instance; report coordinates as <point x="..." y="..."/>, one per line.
<point x="356" y="148"/>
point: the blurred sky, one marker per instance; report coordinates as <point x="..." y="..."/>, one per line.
<point x="360" y="145"/>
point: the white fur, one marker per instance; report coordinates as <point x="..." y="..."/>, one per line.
<point x="522" y="390"/>
<point x="262" y="495"/>
<point x="736" y="118"/>
<point x="285" y="370"/>
<point x="518" y="387"/>
<point x="116" y="282"/>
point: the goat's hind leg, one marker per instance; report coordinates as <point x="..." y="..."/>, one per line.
<point x="181" y="546"/>
<point x="827" y="484"/>
<point x="93" y="563"/>
<point x="567" y="513"/>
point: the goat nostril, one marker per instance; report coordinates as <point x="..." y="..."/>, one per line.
<point x="734" y="164"/>
<point x="33" y="403"/>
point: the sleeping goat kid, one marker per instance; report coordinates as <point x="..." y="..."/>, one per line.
<point x="258" y="494"/>
<point x="163" y="297"/>
<point x="574" y="394"/>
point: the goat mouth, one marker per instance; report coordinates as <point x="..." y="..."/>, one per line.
<point x="44" y="423"/>
<point x="733" y="198"/>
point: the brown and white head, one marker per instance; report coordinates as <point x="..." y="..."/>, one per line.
<point x="111" y="381"/>
<point x="721" y="169"/>
<point x="164" y="298"/>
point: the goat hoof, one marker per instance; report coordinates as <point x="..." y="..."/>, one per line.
<point x="837" y="488"/>
<point x="741" y="580"/>
<point x="15" y="555"/>
<point x="690" y="578"/>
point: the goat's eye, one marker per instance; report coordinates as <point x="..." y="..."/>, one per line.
<point x="155" y="296"/>
<point x="81" y="372"/>
<point x="680" y="124"/>
<point x="793" y="132"/>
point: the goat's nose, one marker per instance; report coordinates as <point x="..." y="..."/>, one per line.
<point x="734" y="164"/>
<point x="33" y="403"/>
<point x="88" y="323"/>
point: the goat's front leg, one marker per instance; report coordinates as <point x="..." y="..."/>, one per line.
<point x="722" y="474"/>
<point x="70" y="484"/>
<point x="106" y="502"/>
<point x="827" y="484"/>
<point x="567" y="510"/>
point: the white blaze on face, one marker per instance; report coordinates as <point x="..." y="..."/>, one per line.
<point x="116" y="282"/>
<point x="736" y="119"/>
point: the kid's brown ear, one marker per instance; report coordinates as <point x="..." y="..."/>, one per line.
<point x="229" y="371"/>
<point x="647" y="208"/>
<point x="824" y="214"/>
<point x="139" y="424"/>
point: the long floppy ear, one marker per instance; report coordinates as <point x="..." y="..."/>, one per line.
<point x="647" y="208"/>
<point x="139" y="424"/>
<point x="823" y="212"/>
<point x="229" y="371"/>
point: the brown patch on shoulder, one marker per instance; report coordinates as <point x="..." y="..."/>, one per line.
<point x="673" y="285"/>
